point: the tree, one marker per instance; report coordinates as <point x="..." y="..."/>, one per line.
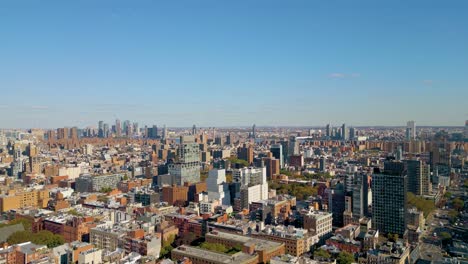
<point x="452" y="215"/>
<point x="167" y="246"/>
<point x="345" y="258"/>
<point x="424" y="205"/>
<point x="43" y="237"/>
<point x="106" y="189"/>
<point x="321" y="254"/>
<point x="458" y="204"/>
<point x="446" y="238"/>
<point x="392" y="237"/>
<point x="19" y="237"/>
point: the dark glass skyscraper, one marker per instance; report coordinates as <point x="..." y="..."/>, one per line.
<point x="389" y="198"/>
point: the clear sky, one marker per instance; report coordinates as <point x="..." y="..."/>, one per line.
<point x="231" y="63"/>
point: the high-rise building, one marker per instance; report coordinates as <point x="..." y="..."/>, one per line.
<point x="63" y="133"/>
<point x="101" y="129"/>
<point x="328" y="130"/>
<point x="194" y="130"/>
<point x="136" y="129"/>
<point x="246" y="153"/>
<point x="323" y="164"/>
<point x="277" y="151"/>
<point x="389" y="198"/>
<point x="253" y="131"/>
<point x="466" y="130"/>
<point x="164" y="132"/>
<point x="410" y="130"/>
<point x="106" y="130"/>
<point x="352" y="133"/>
<point x="74" y="133"/>
<point x="217" y="187"/>
<point x="118" y="128"/>
<point x="360" y="196"/>
<point x="187" y="167"/>
<point x="419" y="177"/>
<point x="293" y="146"/>
<point x="336" y="204"/>
<point x="344" y="132"/>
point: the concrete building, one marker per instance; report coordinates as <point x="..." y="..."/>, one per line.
<point x="264" y="248"/>
<point x="91" y="256"/>
<point x="218" y="188"/>
<point x="250" y="176"/>
<point x="94" y="183"/>
<point x="202" y="256"/>
<point x="319" y="222"/>
<point x="297" y="241"/>
<point x="107" y="238"/>
<point x="419" y="177"/>
<point x="16" y="199"/>
<point x="410" y="130"/>
<point x="187" y="167"/>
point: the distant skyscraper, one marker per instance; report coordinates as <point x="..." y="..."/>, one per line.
<point x="106" y="130"/>
<point x="293" y="146"/>
<point x="253" y="131"/>
<point x="328" y="130"/>
<point x="410" y="130"/>
<point x="136" y="129"/>
<point x="466" y="130"/>
<point x="344" y="132"/>
<point x="194" y="130"/>
<point x="101" y="129"/>
<point x="277" y="151"/>
<point x="352" y="133"/>
<point x="389" y="198"/>
<point x="127" y="128"/>
<point x="74" y="133"/>
<point x="118" y="128"/>
<point x="164" y="132"/>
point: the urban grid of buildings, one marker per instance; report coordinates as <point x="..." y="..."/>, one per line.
<point x="124" y="193"/>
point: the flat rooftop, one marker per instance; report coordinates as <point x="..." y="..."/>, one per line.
<point x="260" y="244"/>
<point x="238" y="257"/>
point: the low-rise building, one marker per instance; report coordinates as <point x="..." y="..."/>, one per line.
<point x="320" y="222"/>
<point x="264" y="248"/>
<point x="201" y="256"/>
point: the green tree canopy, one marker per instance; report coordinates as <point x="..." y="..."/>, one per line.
<point x="446" y="238"/>
<point x="43" y="237"/>
<point x="321" y="253"/>
<point x="345" y="258"/>
<point x="458" y="204"/>
<point x="424" y="205"/>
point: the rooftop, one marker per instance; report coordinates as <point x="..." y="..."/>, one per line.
<point x="260" y="244"/>
<point x="238" y="257"/>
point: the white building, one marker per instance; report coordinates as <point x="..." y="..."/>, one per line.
<point x="92" y="256"/>
<point x="217" y="187"/>
<point x="250" y="176"/>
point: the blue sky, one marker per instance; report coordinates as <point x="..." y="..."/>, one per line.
<point x="230" y="63"/>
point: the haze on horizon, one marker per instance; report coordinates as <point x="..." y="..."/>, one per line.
<point x="212" y="63"/>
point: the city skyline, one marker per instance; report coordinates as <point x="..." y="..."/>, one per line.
<point x="220" y="64"/>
